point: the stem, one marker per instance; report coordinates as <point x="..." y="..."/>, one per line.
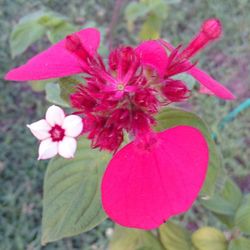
<point x="114" y="21"/>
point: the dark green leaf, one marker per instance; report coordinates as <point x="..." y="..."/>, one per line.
<point x="171" y="117"/>
<point x="175" y="237"/>
<point x="32" y="27"/>
<point x="23" y="35"/>
<point x="239" y="244"/>
<point x="60" y="31"/>
<point x="72" y="203"/>
<point x="39" y="86"/>
<point x="53" y="94"/>
<point x="68" y="86"/>
<point x="242" y="217"/>
<point x="132" y="239"/>
<point x="218" y="205"/>
<point x="51" y="19"/>
<point x="227" y="201"/>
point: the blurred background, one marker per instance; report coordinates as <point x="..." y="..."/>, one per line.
<point x="121" y="21"/>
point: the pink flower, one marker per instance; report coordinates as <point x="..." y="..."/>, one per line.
<point x="57" y="133"/>
<point x="178" y="60"/>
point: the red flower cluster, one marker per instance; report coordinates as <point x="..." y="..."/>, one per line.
<point x="117" y="98"/>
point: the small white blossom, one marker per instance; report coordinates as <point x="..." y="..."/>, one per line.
<point x="57" y="133"/>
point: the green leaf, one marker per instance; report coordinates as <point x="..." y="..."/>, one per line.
<point x="151" y="28"/>
<point x="175" y="237"/>
<point x="39" y="86"/>
<point x="218" y="205"/>
<point x="231" y="193"/>
<point x="208" y="238"/>
<point x="51" y="19"/>
<point x="72" y="203"/>
<point x="68" y="86"/>
<point x="25" y="33"/>
<point x="242" y="217"/>
<point x="53" y="94"/>
<point x="132" y="239"/>
<point x="239" y="244"/>
<point x="227" y="201"/>
<point x="136" y="10"/>
<point x="33" y="26"/>
<point x="60" y="31"/>
<point x="171" y="117"/>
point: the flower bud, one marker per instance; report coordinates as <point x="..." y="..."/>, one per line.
<point x="82" y="100"/>
<point x="212" y="28"/>
<point x="74" y="45"/>
<point x="175" y="90"/>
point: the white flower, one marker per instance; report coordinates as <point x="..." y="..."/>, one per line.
<point x="57" y="133"/>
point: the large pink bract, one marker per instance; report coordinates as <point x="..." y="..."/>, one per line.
<point x="142" y="188"/>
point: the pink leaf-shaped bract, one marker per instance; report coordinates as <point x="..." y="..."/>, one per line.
<point x="57" y="61"/>
<point x="211" y="85"/>
<point x="142" y="188"/>
<point x="153" y="55"/>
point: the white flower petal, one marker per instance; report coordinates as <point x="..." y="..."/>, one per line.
<point x="40" y="129"/>
<point x="67" y="147"/>
<point x="47" y="149"/>
<point x="55" y="115"/>
<point x="73" y="125"/>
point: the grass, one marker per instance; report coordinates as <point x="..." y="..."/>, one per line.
<point x="21" y="176"/>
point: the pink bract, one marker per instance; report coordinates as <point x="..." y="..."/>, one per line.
<point x="143" y="187"/>
<point x="210" y="30"/>
<point x="57" y="61"/>
<point x="153" y="55"/>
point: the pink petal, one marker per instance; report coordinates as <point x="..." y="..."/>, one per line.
<point x="142" y="188"/>
<point x="67" y="147"/>
<point x="56" y="61"/>
<point x="204" y="90"/>
<point x="40" y="129"/>
<point x="211" y="84"/>
<point x="47" y="149"/>
<point x="154" y="55"/>
<point x="73" y="125"/>
<point x="54" y="115"/>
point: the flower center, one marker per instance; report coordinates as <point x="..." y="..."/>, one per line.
<point x="120" y="86"/>
<point x="57" y="133"/>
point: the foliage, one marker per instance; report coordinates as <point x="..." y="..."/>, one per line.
<point x="72" y="203"/>
<point x="155" y="12"/>
<point x="131" y="239"/>
<point x="33" y="26"/>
